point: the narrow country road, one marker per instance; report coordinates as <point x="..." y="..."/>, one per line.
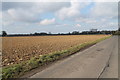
<point x="98" y="61"/>
<point x="111" y="71"/>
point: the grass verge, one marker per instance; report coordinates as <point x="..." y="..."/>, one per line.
<point x="17" y="70"/>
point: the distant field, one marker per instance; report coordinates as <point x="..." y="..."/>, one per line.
<point x="18" y="49"/>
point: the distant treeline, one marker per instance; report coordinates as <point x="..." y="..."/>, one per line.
<point x="4" y="33"/>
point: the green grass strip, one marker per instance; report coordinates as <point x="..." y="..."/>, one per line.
<point x="17" y="70"/>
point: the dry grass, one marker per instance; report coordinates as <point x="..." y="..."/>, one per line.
<point x="18" y="49"/>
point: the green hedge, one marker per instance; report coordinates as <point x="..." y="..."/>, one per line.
<point x="117" y="33"/>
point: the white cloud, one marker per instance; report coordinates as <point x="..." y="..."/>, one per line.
<point x="78" y="25"/>
<point x="7" y="23"/>
<point x="0" y="20"/>
<point x="91" y="21"/>
<point x="28" y="12"/>
<point x="38" y="6"/>
<point x="86" y="20"/>
<point x="65" y="24"/>
<point x="105" y="9"/>
<point x="113" y="24"/>
<point x="60" y="0"/>
<point x="72" y="11"/>
<point x="103" y="20"/>
<point x="49" y="6"/>
<point x="47" y="21"/>
<point x="21" y="15"/>
<point x="61" y="24"/>
<point x="67" y="13"/>
<point x="106" y="0"/>
<point x="31" y="14"/>
<point x="0" y="15"/>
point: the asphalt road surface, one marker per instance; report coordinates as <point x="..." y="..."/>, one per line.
<point x="111" y="71"/>
<point x="98" y="61"/>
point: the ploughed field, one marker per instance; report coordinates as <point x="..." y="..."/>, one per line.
<point x="19" y="49"/>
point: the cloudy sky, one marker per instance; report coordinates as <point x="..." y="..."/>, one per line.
<point x="58" y="17"/>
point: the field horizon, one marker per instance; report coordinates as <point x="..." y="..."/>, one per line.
<point x="19" y="49"/>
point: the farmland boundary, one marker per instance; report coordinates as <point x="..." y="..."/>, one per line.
<point x="17" y="70"/>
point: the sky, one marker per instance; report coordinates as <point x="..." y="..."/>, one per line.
<point x="58" y="17"/>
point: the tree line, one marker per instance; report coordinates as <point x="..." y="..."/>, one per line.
<point x="4" y="33"/>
